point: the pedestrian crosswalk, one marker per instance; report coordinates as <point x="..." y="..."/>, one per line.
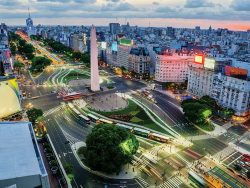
<point x="173" y="182"/>
<point x="51" y="111"/>
<point x="72" y="140"/>
<point x="224" y="153"/>
<point x="142" y="182"/>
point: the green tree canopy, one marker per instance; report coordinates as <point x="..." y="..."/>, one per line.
<point x="197" y="112"/>
<point x="13" y="48"/>
<point x="33" y="114"/>
<point x="39" y="63"/>
<point x="18" y="65"/>
<point x="76" y="55"/>
<point x="109" y="147"/>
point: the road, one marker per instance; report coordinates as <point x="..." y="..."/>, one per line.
<point x="62" y="126"/>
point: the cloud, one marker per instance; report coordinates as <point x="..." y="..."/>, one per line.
<point x="156" y="3"/>
<point x="165" y="10"/>
<point x="118" y="7"/>
<point x="66" y="1"/>
<point x="188" y="9"/>
<point x="199" y="3"/>
<point x="114" y="1"/>
<point x="241" y="5"/>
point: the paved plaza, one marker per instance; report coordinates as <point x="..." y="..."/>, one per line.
<point x="107" y="102"/>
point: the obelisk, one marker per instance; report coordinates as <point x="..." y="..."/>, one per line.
<point x="95" y="85"/>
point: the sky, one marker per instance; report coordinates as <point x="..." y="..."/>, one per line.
<point x="232" y="14"/>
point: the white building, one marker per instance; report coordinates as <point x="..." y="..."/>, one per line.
<point x="172" y="68"/>
<point x="228" y="91"/>
<point x="232" y="93"/>
<point x="122" y="56"/>
<point x="21" y="163"/>
<point x="200" y="81"/>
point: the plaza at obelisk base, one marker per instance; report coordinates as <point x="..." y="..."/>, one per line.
<point x="95" y="85"/>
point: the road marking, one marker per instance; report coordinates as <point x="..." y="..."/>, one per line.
<point x="234" y="160"/>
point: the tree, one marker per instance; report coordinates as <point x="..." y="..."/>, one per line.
<point x="39" y="63"/>
<point x="76" y="55"/>
<point x="68" y="168"/>
<point x="197" y="112"/>
<point x="18" y="66"/>
<point x="13" y="48"/>
<point x="33" y="114"/>
<point x="109" y="147"/>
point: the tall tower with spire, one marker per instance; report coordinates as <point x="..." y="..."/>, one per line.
<point x="95" y="85"/>
<point x="29" y="25"/>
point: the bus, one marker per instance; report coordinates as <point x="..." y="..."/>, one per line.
<point x="92" y="117"/>
<point x="125" y="127"/>
<point x="84" y="119"/>
<point x="72" y="96"/>
<point x="141" y="132"/>
<point x="159" y="137"/>
<point x="197" y="180"/>
<point x="105" y="121"/>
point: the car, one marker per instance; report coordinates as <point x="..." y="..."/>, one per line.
<point x="66" y="142"/>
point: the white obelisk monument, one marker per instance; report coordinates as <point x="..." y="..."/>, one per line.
<point x="95" y="85"/>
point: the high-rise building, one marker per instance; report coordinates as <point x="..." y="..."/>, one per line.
<point x="114" y="28"/>
<point x="21" y="162"/>
<point x="229" y="86"/>
<point x="172" y="67"/>
<point x="200" y="81"/>
<point x="30" y="29"/>
<point x="139" y="63"/>
<point x="95" y="85"/>
<point x="122" y="56"/>
<point x="6" y="64"/>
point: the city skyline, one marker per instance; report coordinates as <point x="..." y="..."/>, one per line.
<point x="183" y="13"/>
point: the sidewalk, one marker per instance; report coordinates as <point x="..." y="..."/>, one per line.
<point x="218" y="130"/>
<point x="52" y="178"/>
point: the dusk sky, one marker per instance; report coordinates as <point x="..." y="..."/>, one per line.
<point x="233" y="14"/>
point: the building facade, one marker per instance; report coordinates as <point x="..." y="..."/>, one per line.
<point x="172" y="67"/>
<point x="30" y="29"/>
<point x="229" y="91"/>
<point x="114" y="28"/>
<point x="139" y="63"/>
<point x="232" y="93"/>
<point x="200" y="81"/>
<point x="122" y="56"/>
<point x="21" y="162"/>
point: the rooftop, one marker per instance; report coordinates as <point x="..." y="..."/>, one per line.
<point x="19" y="154"/>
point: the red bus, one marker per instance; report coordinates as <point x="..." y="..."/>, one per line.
<point x="72" y="96"/>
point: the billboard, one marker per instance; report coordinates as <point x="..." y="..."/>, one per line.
<point x="234" y="71"/>
<point x="209" y="63"/>
<point x="9" y="98"/>
<point x="114" y="46"/>
<point x="199" y="59"/>
<point x="104" y="45"/>
<point x="126" y="42"/>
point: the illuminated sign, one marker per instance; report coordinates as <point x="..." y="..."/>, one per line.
<point x="199" y="59"/>
<point x="234" y="71"/>
<point x="104" y="45"/>
<point x="209" y="63"/>
<point x="126" y="42"/>
<point x="114" y="46"/>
